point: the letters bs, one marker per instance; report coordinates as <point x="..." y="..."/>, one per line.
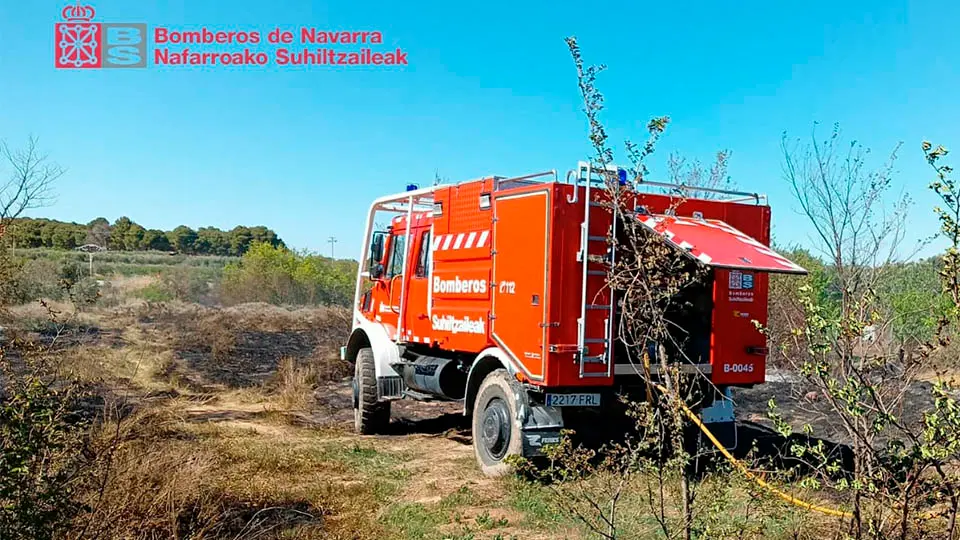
<point x="125" y="45"/>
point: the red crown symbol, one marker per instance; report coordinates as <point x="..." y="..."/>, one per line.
<point x="78" y="13"/>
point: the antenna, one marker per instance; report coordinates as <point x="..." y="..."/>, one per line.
<point x="332" y="240"/>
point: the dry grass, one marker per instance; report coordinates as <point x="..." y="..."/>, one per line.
<point x="294" y="385"/>
<point x="168" y="478"/>
<point x="126" y="285"/>
<point x="234" y="423"/>
<point x="200" y="452"/>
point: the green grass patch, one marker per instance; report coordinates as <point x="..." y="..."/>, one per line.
<point x="413" y="521"/>
<point x="154" y="292"/>
<point x="486" y="522"/>
<point x="368" y="461"/>
<point x="441" y="520"/>
<point x="534" y="503"/>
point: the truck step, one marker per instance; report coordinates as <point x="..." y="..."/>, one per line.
<point x="597" y="238"/>
<point x="598" y="306"/>
<point x="595" y="340"/>
<point x="593" y="359"/>
<point x="596" y="273"/>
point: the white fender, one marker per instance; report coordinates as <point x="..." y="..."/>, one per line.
<point x="385" y="351"/>
<point x="474" y="378"/>
<point x="499" y="354"/>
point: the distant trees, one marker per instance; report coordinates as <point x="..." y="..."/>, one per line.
<point x="157" y="240"/>
<point x="183" y="239"/>
<point x="126" y="235"/>
<point x="98" y="232"/>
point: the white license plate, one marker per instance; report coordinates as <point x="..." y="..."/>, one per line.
<point x="573" y="400"/>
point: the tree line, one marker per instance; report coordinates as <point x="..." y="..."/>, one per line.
<point x="126" y="235"/>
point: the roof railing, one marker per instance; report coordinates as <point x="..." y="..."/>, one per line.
<point x="424" y="196"/>
<point x="737" y="196"/>
<point x="527" y="179"/>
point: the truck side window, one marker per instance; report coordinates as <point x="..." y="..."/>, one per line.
<point x="423" y="261"/>
<point x="395" y="268"/>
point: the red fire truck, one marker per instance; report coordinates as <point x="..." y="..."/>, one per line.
<point x="493" y="292"/>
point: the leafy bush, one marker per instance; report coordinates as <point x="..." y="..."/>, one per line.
<point x="188" y="284"/>
<point x="279" y="276"/>
<point x="155" y="292"/>
<point x="42" y="448"/>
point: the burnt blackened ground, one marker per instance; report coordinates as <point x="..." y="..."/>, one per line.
<point x="800" y="404"/>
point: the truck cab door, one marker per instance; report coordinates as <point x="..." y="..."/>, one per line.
<point x="416" y="308"/>
<point x="393" y="275"/>
<point x="381" y="301"/>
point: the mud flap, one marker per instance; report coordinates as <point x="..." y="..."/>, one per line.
<point x="539" y="425"/>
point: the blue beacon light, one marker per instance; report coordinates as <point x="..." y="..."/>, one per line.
<point x="622" y="176"/>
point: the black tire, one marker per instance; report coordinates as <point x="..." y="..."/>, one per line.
<point x="370" y="415"/>
<point x="496" y="433"/>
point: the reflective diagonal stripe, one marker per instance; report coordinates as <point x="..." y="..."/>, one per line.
<point x="464" y="240"/>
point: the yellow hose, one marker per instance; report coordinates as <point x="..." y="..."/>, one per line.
<point x="743" y="468"/>
<point x="759" y="481"/>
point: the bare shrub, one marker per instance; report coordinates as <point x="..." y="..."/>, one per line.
<point x="694" y="174"/>
<point x="647" y="278"/>
<point x="26" y="180"/>
<point x="901" y="478"/>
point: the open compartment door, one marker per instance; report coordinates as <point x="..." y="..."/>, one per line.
<point x="739" y="283"/>
<point x="720" y="245"/>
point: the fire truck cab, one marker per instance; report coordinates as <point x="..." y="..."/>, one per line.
<point x="493" y="292"/>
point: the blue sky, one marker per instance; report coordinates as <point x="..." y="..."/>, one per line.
<point x="489" y="89"/>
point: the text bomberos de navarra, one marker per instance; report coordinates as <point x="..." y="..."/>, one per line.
<point x="321" y="47"/>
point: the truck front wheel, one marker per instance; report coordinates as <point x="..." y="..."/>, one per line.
<point x="370" y="415"/>
<point x="496" y="433"/>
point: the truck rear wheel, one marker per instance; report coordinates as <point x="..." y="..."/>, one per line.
<point x="496" y="433"/>
<point x="370" y="415"/>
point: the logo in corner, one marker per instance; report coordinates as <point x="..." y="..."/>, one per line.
<point x="80" y="43"/>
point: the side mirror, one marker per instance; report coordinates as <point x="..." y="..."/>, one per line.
<point x="376" y="255"/>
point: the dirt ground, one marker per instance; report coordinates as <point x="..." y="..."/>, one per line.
<point x="262" y="390"/>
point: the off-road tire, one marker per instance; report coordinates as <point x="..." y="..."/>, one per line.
<point x="370" y="415"/>
<point x="496" y="433"/>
